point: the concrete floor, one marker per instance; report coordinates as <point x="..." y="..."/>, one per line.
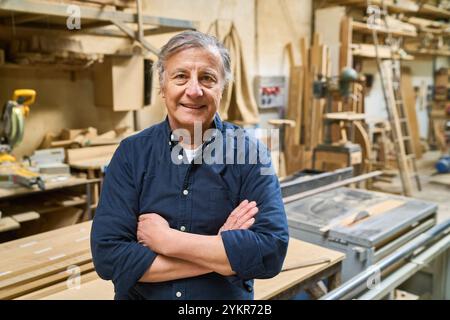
<point x="431" y="191"/>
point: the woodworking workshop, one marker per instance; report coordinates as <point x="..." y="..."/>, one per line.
<point x="225" y="150"/>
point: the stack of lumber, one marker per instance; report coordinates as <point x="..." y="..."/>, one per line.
<point x="92" y="158"/>
<point x="303" y="108"/>
<point x="45" y="51"/>
<point x="43" y="260"/>
<point x="393" y="5"/>
<point x="86" y="137"/>
<point x="433" y="39"/>
<point x="105" y="4"/>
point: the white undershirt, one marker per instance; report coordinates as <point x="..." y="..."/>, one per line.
<point x="191" y="153"/>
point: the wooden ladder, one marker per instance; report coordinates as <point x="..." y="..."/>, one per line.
<point x="389" y="70"/>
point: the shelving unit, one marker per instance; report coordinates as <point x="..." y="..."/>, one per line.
<point x="94" y="20"/>
<point x="415" y="14"/>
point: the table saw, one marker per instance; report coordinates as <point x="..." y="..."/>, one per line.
<point x="365" y="225"/>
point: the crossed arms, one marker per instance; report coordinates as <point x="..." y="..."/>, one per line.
<point x="170" y="254"/>
<point x="184" y="255"/>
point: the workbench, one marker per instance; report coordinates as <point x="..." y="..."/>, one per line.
<point x="36" y="268"/>
<point x="318" y="263"/>
<point x="12" y="198"/>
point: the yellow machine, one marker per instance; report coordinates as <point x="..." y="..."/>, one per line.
<point x="12" y="126"/>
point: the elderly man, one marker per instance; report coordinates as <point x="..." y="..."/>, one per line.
<point x="188" y="229"/>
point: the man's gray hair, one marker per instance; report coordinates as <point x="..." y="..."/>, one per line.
<point x="193" y="39"/>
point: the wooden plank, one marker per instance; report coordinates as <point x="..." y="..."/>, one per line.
<point x="294" y="109"/>
<point x="299" y="252"/>
<point x="409" y="101"/>
<point x="434" y="12"/>
<point x="303" y="260"/>
<point x="26" y="216"/>
<point x="290" y="52"/>
<point x="59" y="287"/>
<point x="27" y="259"/>
<point x="43" y="270"/>
<point x="89" y="153"/>
<point x="368" y="51"/>
<point x="43" y="282"/>
<point x="345" y="55"/>
<point x="405" y="6"/>
<point x="362" y="138"/>
<point x="8" y="224"/>
<point x="362" y="27"/>
<point x="307" y="96"/>
<point x="348" y="116"/>
<point x="93" y="290"/>
<point x="90" y="158"/>
<point x="2" y="57"/>
<point x="49" y="185"/>
<point x="443" y="179"/>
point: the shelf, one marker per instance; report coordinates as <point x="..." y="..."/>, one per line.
<point x="368" y="51"/>
<point x="429" y="26"/>
<point x="53" y="15"/>
<point x="434" y="12"/>
<point x="392" y="8"/>
<point x="430" y="52"/>
<point x="51" y="67"/>
<point x="364" y="28"/>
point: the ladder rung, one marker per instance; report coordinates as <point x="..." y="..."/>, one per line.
<point x="404" y="120"/>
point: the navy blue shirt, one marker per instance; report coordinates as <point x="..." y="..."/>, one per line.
<point x="192" y="197"/>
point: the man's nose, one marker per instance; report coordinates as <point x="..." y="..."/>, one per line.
<point x="193" y="89"/>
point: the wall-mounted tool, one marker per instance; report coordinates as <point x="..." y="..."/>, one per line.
<point x="12" y="128"/>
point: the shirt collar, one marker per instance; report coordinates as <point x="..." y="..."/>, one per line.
<point x="173" y="140"/>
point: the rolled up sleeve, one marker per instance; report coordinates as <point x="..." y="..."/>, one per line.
<point x="117" y="255"/>
<point x="259" y="252"/>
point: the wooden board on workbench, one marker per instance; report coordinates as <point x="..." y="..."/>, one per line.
<point x="8" y="223"/>
<point x="49" y="185"/>
<point x="298" y="253"/>
<point x="91" y="288"/>
<point x="35" y="262"/>
<point x="90" y="158"/>
<point x="443" y="179"/>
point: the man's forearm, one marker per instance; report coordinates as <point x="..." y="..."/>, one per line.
<point x="168" y="268"/>
<point x="206" y="251"/>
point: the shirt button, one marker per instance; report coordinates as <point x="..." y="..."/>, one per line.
<point x="178" y="294"/>
<point x="185" y="192"/>
<point x="183" y="228"/>
<point x="180" y="157"/>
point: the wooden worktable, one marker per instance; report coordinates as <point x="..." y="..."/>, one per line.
<point x="53" y="185"/>
<point x="285" y="285"/>
<point x="288" y="283"/>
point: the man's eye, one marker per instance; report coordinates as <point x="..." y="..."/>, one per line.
<point x="208" y="79"/>
<point x="180" y="76"/>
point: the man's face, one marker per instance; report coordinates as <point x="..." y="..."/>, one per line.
<point x="192" y="87"/>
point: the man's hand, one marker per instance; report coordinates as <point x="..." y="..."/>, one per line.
<point x="241" y="217"/>
<point x="153" y="231"/>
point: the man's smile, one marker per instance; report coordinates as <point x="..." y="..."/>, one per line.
<point x="193" y="106"/>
